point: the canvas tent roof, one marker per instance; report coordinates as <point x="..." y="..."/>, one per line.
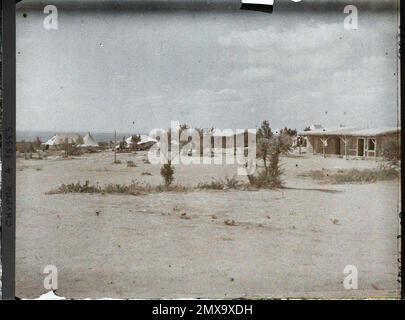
<point x="59" y="139"/>
<point x="89" y="141"/>
<point x="354" y="132"/>
<point x="144" y="139"/>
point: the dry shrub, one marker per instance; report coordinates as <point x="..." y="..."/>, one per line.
<point x="185" y="216"/>
<point x="381" y="173"/>
<point x="232" y="183"/>
<point x="146" y="174"/>
<point x="171" y="188"/>
<point x="217" y="184"/>
<point x="315" y="174"/>
<point x="213" y="185"/>
<point x="71" y="149"/>
<point x="230" y="222"/>
<point x="267" y="178"/>
<point x="365" y="176"/>
<point x="131" y="164"/>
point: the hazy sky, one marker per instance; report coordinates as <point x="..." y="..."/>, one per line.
<point x="107" y="66"/>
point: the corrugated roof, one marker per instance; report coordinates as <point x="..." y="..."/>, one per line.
<point x="346" y="131"/>
<point x="329" y="131"/>
<point x="376" y="131"/>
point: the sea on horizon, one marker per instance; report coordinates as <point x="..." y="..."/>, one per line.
<point x="46" y="135"/>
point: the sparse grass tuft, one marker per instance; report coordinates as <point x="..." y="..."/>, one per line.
<point x="335" y="221"/>
<point x="213" y="185"/>
<point x="134" y="188"/>
<point x="131" y="164"/>
<point x="232" y="183"/>
<point x="230" y="222"/>
<point x="171" y="188"/>
<point x="216" y="184"/>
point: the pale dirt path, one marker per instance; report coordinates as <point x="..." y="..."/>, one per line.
<point x="285" y="243"/>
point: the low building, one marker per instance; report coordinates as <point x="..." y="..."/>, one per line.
<point x="343" y="141"/>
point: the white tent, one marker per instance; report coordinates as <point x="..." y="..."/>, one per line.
<point x="145" y="140"/>
<point x="89" y="141"/>
<point x="52" y="141"/>
<point x="59" y="139"/>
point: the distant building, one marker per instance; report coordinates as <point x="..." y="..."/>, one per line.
<point x="364" y="143"/>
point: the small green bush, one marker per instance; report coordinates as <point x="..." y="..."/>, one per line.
<point x="167" y="172"/>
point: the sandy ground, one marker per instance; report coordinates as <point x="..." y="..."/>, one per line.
<point x="285" y="243"/>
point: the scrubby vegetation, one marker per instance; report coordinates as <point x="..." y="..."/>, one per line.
<point x="392" y="151"/>
<point x="131" y="164"/>
<point x="134" y="188"/>
<point x="72" y="148"/>
<point x="225" y="184"/>
<point x="29" y="146"/>
<point x="354" y="175"/>
<point x="213" y="185"/>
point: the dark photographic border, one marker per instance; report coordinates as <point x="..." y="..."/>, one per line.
<point x="8" y="196"/>
<point x="401" y="56"/>
<point x="8" y="174"/>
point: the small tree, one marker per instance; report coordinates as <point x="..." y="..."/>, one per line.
<point x="264" y="132"/>
<point x="279" y="145"/>
<point x="167" y="172"/>
<point x="263" y="137"/>
<point x="391" y="152"/>
<point x="271" y="150"/>
<point x="289" y="131"/>
<point x="263" y="150"/>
